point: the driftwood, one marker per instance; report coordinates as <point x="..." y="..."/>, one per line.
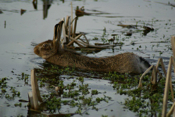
<point x="154" y="72"/>
<point x="75" y="37"/>
<point x="70" y="36"/>
<point x="34" y="96"/>
<point x="35" y="3"/>
<point x="168" y="83"/>
<point x="146" y="29"/>
<point x="22" y="11"/>
<point x="171" y="111"/>
<point x="80" y="11"/>
<point x="169" y="4"/>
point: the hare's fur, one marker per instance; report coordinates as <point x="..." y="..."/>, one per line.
<point x="121" y="63"/>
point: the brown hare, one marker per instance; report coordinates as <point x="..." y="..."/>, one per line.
<point x="122" y="63"/>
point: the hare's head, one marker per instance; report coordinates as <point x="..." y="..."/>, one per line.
<point x="48" y="48"/>
<point x="44" y="49"/>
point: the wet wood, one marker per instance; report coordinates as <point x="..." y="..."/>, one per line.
<point x="167" y="83"/>
<point x="67" y="21"/>
<point x="22" y="100"/>
<point x="127" y="26"/>
<point x="34" y="92"/>
<point x="171" y="110"/>
<point x="34" y="96"/>
<point x="169" y="4"/>
<point x="69" y="29"/>
<point x="59" y="31"/>
<point x="75" y="25"/>
<point x="83" y="41"/>
<point x="60" y="115"/>
<point x="73" y="39"/>
<point x="154" y="76"/>
<point x="30" y="97"/>
<point x="80" y="12"/>
<point x="160" y="61"/>
<point x="64" y="33"/>
<point x="140" y="81"/>
<point x="173" y="45"/>
<point x="87" y="41"/>
<point x="145" y="30"/>
<point x="22" y="11"/>
<point x="173" y="49"/>
<point x="171" y="87"/>
<point x="112" y="39"/>
<point x="71" y="19"/>
<point x="101" y="43"/>
<point x="35" y="3"/>
<point x="118" y="44"/>
<point x="102" y="47"/>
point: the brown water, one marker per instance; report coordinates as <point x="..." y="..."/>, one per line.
<point x="18" y="34"/>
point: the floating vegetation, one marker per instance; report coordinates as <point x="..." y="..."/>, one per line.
<point x="145" y="101"/>
<point x="75" y="94"/>
<point x="7" y="91"/>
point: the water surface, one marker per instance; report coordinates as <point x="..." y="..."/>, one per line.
<point x="18" y="34"/>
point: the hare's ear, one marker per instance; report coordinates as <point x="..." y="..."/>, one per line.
<point x="57" y="36"/>
<point x="55" y="32"/>
<point x="59" y="30"/>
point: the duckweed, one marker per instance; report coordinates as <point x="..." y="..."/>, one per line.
<point x="76" y="91"/>
<point x="94" y="92"/>
<point x="18" y="104"/>
<point x="145" y="101"/>
<point x="53" y="104"/>
<point x="104" y="116"/>
<point x="9" y="92"/>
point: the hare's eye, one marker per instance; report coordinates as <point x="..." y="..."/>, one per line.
<point x="44" y="45"/>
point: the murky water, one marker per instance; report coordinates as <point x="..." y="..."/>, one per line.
<point x="18" y="34"/>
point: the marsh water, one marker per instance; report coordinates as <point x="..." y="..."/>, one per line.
<point x="20" y="32"/>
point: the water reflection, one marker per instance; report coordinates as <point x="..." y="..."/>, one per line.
<point x="46" y="6"/>
<point x="35" y="2"/>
